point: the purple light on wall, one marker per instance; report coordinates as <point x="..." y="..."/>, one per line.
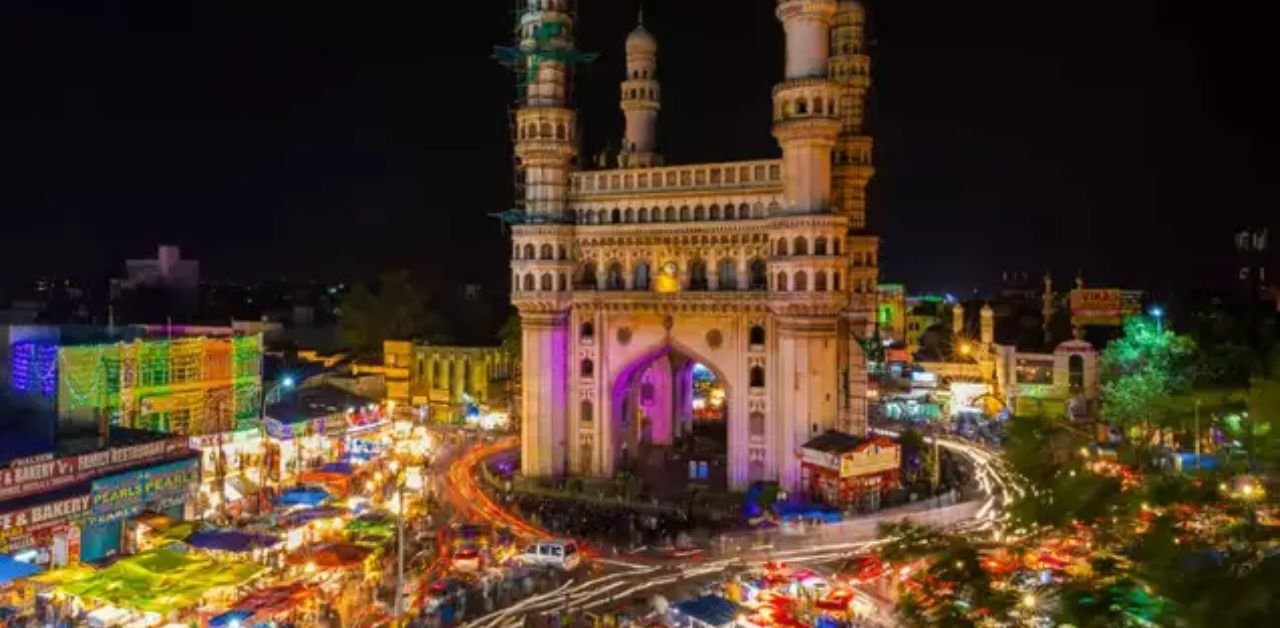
<point x="34" y="368"/>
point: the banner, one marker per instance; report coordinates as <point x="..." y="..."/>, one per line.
<point x="1095" y="302"/>
<point x="43" y="475"/>
<point x="128" y="494"/>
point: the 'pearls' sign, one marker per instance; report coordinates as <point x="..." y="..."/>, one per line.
<point x="39" y="475"/>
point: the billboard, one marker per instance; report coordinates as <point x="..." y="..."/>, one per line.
<point x="42" y="474"/>
<point x="1103" y="306"/>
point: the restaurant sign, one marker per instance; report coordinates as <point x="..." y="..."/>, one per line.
<point x="43" y="475"/>
<point x="127" y="494"/>
<point x="35" y="526"/>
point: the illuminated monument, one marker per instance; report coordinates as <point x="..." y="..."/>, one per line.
<point x="627" y="278"/>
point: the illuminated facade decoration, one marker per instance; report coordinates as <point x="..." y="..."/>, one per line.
<point x="185" y="386"/>
<point x="762" y="271"/>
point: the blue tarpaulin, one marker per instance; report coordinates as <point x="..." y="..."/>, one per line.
<point x="230" y="540"/>
<point x="11" y="569"/>
<point x="303" y="496"/>
<point x="710" y="610"/>
<point x="231" y="618"/>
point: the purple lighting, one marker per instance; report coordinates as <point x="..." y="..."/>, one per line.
<point x="34" y="368"/>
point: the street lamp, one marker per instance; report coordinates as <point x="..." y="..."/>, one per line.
<point x="1157" y="313"/>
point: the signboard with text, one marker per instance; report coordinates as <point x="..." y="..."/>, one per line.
<point x="128" y="494"/>
<point x="39" y="476"/>
<point x="1095" y="306"/>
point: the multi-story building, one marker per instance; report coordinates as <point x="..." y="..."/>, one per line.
<point x="627" y="278"/>
<point x="173" y="380"/>
<point x="445" y="377"/>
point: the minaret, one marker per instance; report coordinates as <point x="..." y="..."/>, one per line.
<point x="542" y="237"/>
<point x="641" y="100"/>
<point x="810" y="259"/>
<point x="850" y="69"/>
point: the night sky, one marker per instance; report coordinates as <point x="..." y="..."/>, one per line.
<point x="321" y="140"/>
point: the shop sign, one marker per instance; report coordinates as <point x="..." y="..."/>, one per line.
<point x="127" y="494"/>
<point x="211" y="441"/>
<point x="36" y="525"/>
<point x="40" y="475"/>
<point x="873" y="458"/>
<point x="819" y="458"/>
<point x="281" y="430"/>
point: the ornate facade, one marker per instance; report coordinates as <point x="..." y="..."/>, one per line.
<point x="762" y="271"/>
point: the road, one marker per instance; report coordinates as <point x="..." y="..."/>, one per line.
<point x="632" y="577"/>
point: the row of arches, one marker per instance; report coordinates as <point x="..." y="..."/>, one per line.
<point x="803" y="106"/>
<point x="545" y="252"/>
<point x="636" y="93"/>
<point x="800" y="246"/>
<point x="799" y="282"/>
<point x="547" y="282"/>
<point x="684" y="213"/>
<point x="697" y="276"/>
<point x="544" y="131"/>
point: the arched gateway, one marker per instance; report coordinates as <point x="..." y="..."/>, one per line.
<point x="771" y="300"/>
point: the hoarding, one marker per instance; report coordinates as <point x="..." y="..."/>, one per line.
<point x="38" y="476"/>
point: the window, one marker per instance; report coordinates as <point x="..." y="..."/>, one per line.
<point x="820" y="281"/>
<point x="1034" y="371"/>
<point x="835" y="246"/>
<point x="782" y="282"/>
<point x="670" y="214"/>
<point x="435" y="373"/>
<point x="728" y="275"/>
<point x="802" y="107"/>
<point x="590" y="279"/>
<point x="699" y="213"/>
<point x="714" y="211"/>
<point x="698" y="275"/>
<point x="616" y="217"/>
<point x="756" y="336"/>
<point x="613" y="280"/>
<point x="757" y="377"/>
<point x="801" y="246"/>
<point x="587" y="368"/>
<point x="744" y="212"/>
<point x="584" y="412"/>
<point x="758" y="275"/>
<point x="641" y="280"/>
<point x="802" y="281"/>
<point x="528" y="282"/>
<point x="835" y="281"/>
<point x="529" y="252"/>
<point x="422" y="368"/>
<point x="756" y="424"/>
<point x="782" y="247"/>
<point x="560" y="131"/>
<point x="1075" y="373"/>
<point x="684" y="212"/>
<point x="820" y="246"/>
<point x="646" y="393"/>
<point x="564" y="254"/>
<point x="643" y="214"/>
<point x="545" y="282"/>
<point x="547" y="251"/>
<point x="587" y="332"/>
<point x="562" y="284"/>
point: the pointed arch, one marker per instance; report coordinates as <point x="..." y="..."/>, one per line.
<point x="801" y="281"/>
<point x="800" y="246"/>
<point x="759" y="279"/>
<point x="820" y="281"/>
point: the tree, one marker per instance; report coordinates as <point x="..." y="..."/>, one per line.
<point x="1141" y="371"/>
<point x="393" y="309"/>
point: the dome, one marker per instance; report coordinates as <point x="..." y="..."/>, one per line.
<point x="641" y="41"/>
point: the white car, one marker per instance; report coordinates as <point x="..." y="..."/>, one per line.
<point x="561" y="554"/>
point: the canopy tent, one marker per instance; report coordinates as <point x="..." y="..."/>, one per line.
<point x="372" y="529"/>
<point x="275" y="600"/>
<point x="301" y="517"/>
<point x="231" y="540"/>
<point x="303" y="496"/>
<point x="709" y="610"/>
<point x="11" y="569"/>
<point x="331" y="555"/>
<point x="159" y="581"/>
<point x="232" y="619"/>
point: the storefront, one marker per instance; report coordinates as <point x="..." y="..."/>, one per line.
<point x="47" y="533"/>
<point x="167" y="489"/>
<point x="231" y="468"/>
<point x="845" y="471"/>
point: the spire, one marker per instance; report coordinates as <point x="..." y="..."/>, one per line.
<point x="640" y="14"/>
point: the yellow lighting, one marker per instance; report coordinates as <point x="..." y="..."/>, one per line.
<point x="1029" y="600"/>
<point x="965" y="348"/>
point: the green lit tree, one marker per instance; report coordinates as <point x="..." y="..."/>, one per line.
<point x="1141" y="372"/>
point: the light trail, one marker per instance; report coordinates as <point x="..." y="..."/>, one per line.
<point x="999" y="486"/>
